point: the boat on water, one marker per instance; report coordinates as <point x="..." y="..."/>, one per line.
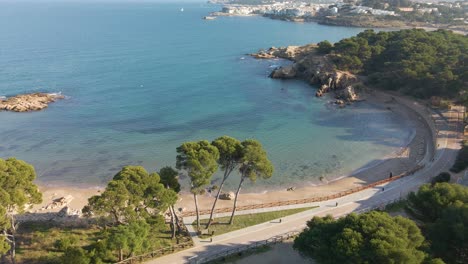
<point x="209" y="17"/>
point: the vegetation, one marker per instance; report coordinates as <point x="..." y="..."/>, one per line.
<point x="373" y="237"/>
<point x="416" y="62"/>
<point x="442" y="210"/>
<point x="230" y="155"/>
<point x="17" y="190"/>
<point x="442" y="177"/>
<point x="461" y="162"/>
<point x="47" y="242"/>
<point x="169" y="178"/>
<point x="133" y="194"/>
<point x="381" y="4"/>
<point x="199" y="159"/>
<point x="221" y="225"/>
<point x="253" y="164"/>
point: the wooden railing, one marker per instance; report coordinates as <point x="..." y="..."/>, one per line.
<point x="306" y="200"/>
<point x="238" y="250"/>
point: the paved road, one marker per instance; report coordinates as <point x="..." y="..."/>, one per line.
<point x="448" y="145"/>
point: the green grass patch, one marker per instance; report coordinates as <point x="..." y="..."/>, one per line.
<point x="221" y="226"/>
<point x="42" y="242"/>
<point x="37" y="242"/>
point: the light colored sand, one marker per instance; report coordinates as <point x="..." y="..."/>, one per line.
<point x="397" y="163"/>
<point x="79" y="197"/>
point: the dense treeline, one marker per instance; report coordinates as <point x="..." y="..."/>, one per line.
<point x="438" y="236"/>
<point x="416" y="62"/>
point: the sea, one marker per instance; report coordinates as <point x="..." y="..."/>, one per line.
<point x="142" y="78"/>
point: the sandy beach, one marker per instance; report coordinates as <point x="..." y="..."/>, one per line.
<point x="420" y="147"/>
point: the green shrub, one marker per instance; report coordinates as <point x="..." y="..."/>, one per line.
<point x="64" y="243"/>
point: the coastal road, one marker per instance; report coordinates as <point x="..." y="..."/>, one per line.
<point x="448" y="143"/>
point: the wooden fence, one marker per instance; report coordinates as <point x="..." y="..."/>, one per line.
<point x="306" y="200"/>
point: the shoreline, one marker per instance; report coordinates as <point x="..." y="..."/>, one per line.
<point x="402" y="160"/>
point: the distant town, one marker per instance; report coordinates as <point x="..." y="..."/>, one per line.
<point x="365" y="13"/>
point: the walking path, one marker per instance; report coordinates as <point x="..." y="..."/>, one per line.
<point x="448" y="143"/>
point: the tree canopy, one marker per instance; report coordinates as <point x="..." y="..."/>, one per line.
<point x="17" y="187"/>
<point x="17" y="190"/>
<point x="132" y="194"/>
<point x="169" y="178"/>
<point x="4" y="225"/>
<point x="428" y="204"/>
<point x="199" y="159"/>
<point x="442" y="209"/>
<point x="373" y="237"/>
<point x="414" y="61"/>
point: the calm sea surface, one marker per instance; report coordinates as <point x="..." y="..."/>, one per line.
<point x="140" y="79"/>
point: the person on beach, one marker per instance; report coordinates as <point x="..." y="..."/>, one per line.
<point x="336" y="204"/>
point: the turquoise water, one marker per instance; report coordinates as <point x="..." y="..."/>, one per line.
<point x="140" y="79"/>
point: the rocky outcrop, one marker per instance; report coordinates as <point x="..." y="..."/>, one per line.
<point x="315" y="68"/>
<point x="293" y="53"/>
<point x="28" y="102"/>
<point x="285" y="72"/>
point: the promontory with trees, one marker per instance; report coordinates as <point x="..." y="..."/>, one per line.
<point x="415" y="62"/>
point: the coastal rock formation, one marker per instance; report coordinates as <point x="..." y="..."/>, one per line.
<point x="28" y="102"/>
<point x="285" y="72"/>
<point x="315" y="68"/>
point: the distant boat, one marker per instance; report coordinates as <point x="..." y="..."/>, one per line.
<point x="182" y="9"/>
<point x="209" y="17"/>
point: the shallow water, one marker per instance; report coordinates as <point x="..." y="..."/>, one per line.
<point x="143" y="78"/>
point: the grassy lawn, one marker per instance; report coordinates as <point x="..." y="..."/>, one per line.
<point x="37" y="241"/>
<point x="221" y="226"/>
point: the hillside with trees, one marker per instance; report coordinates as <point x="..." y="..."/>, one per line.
<point x="416" y="62"/>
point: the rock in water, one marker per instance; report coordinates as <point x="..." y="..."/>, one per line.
<point x="29" y="102"/>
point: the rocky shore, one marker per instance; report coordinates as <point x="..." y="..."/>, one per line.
<point x="316" y="69"/>
<point x="28" y="102"/>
